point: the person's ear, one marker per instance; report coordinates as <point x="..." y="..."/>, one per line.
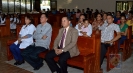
<point x="69" y="22"/>
<point x="113" y="19"/>
<point x="46" y="19"/>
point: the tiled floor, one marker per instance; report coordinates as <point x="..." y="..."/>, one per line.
<point x="127" y="66"/>
<point x="4" y="67"/>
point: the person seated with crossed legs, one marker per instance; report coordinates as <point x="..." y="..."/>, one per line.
<point x="65" y="47"/>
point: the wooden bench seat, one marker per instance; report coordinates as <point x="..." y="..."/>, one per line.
<point x="126" y="46"/>
<point x="87" y="58"/>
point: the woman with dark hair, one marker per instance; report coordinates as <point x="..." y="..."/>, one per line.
<point x="117" y="17"/>
<point x="105" y="17"/>
<point x="123" y="28"/>
<point x="98" y="22"/>
<point x="2" y="19"/>
<point x="24" y="40"/>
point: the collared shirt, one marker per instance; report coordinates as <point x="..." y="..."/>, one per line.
<point x="87" y="29"/>
<point x="123" y="29"/>
<point x="16" y="20"/>
<point x="3" y="21"/>
<point x="25" y="30"/>
<point x="42" y="30"/>
<point x="77" y="27"/>
<point x="65" y="36"/>
<point x="107" y="31"/>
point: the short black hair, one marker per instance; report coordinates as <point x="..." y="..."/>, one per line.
<point x="82" y="15"/>
<point x="30" y="18"/>
<point x="45" y="15"/>
<point x="85" y="20"/>
<point x="66" y="18"/>
<point x="110" y="15"/>
<point x="123" y="16"/>
<point x="131" y="12"/>
<point x="119" y="12"/>
<point x="105" y="13"/>
<point x="100" y="14"/>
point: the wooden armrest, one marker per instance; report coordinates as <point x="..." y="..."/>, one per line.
<point x="87" y="54"/>
<point x="9" y="42"/>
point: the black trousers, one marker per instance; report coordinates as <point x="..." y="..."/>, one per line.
<point x="30" y="54"/>
<point x="62" y="61"/>
<point x="104" y="49"/>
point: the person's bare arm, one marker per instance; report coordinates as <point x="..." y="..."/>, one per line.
<point x="115" y="39"/>
<point x="124" y="33"/>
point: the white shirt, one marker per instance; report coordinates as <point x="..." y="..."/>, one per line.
<point x="23" y="32"/>
<point x="65" y="37"/>
<point x="77" y="27"/>
<point x="13" y="24"/>
<point x="11" y="19"/>
<point x="3" y="21"/>
<point x="105" y="21"/>
<point x="16" y="20"/>
<point x="87" y="29"/>
<point x="107" y="31"/>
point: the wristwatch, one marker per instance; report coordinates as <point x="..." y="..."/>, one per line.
<point x="62" y="50"/>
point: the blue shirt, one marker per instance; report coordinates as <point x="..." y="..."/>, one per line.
<point x="42" y="30"/>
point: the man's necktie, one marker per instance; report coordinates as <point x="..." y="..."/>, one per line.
<point x="62" y="40"/>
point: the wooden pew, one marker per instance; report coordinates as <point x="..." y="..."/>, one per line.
<point x="36" y="20"/>
<point x="111" y="50"/>
<point x="89" y="58"/>
<point x="74" y="21"/>
<point x="22" y="18"/>
<point x="2" y="30"/>
<point x="5" y="29"/>
<point x="126" y="47"/>
<point x="57" y="23"/>
<point x="130" y="42"/>
<point x="9" y="42"/>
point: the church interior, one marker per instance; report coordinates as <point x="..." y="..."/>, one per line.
<point x="101" y="50"/>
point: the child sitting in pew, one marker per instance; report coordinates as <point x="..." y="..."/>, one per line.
<point x="86" y="29"/>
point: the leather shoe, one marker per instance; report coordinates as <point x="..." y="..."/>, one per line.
<point x="16" y="63"/>
<point x="20" y="62"/>
<point x="38" y="67"/>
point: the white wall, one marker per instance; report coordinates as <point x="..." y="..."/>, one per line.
<point x="106" y="5"/>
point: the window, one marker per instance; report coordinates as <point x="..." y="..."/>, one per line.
<point x="11" y="6"/>
<point x="24" y="6"/>
<point x="17" y="6"/>
<point x="45" y="4"/>
<point x="4" y="6"/>
<point x="124" y="5"/>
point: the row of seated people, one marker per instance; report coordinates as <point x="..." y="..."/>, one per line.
<point x="14" y="20"/>
<point x="65" y="43"/>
